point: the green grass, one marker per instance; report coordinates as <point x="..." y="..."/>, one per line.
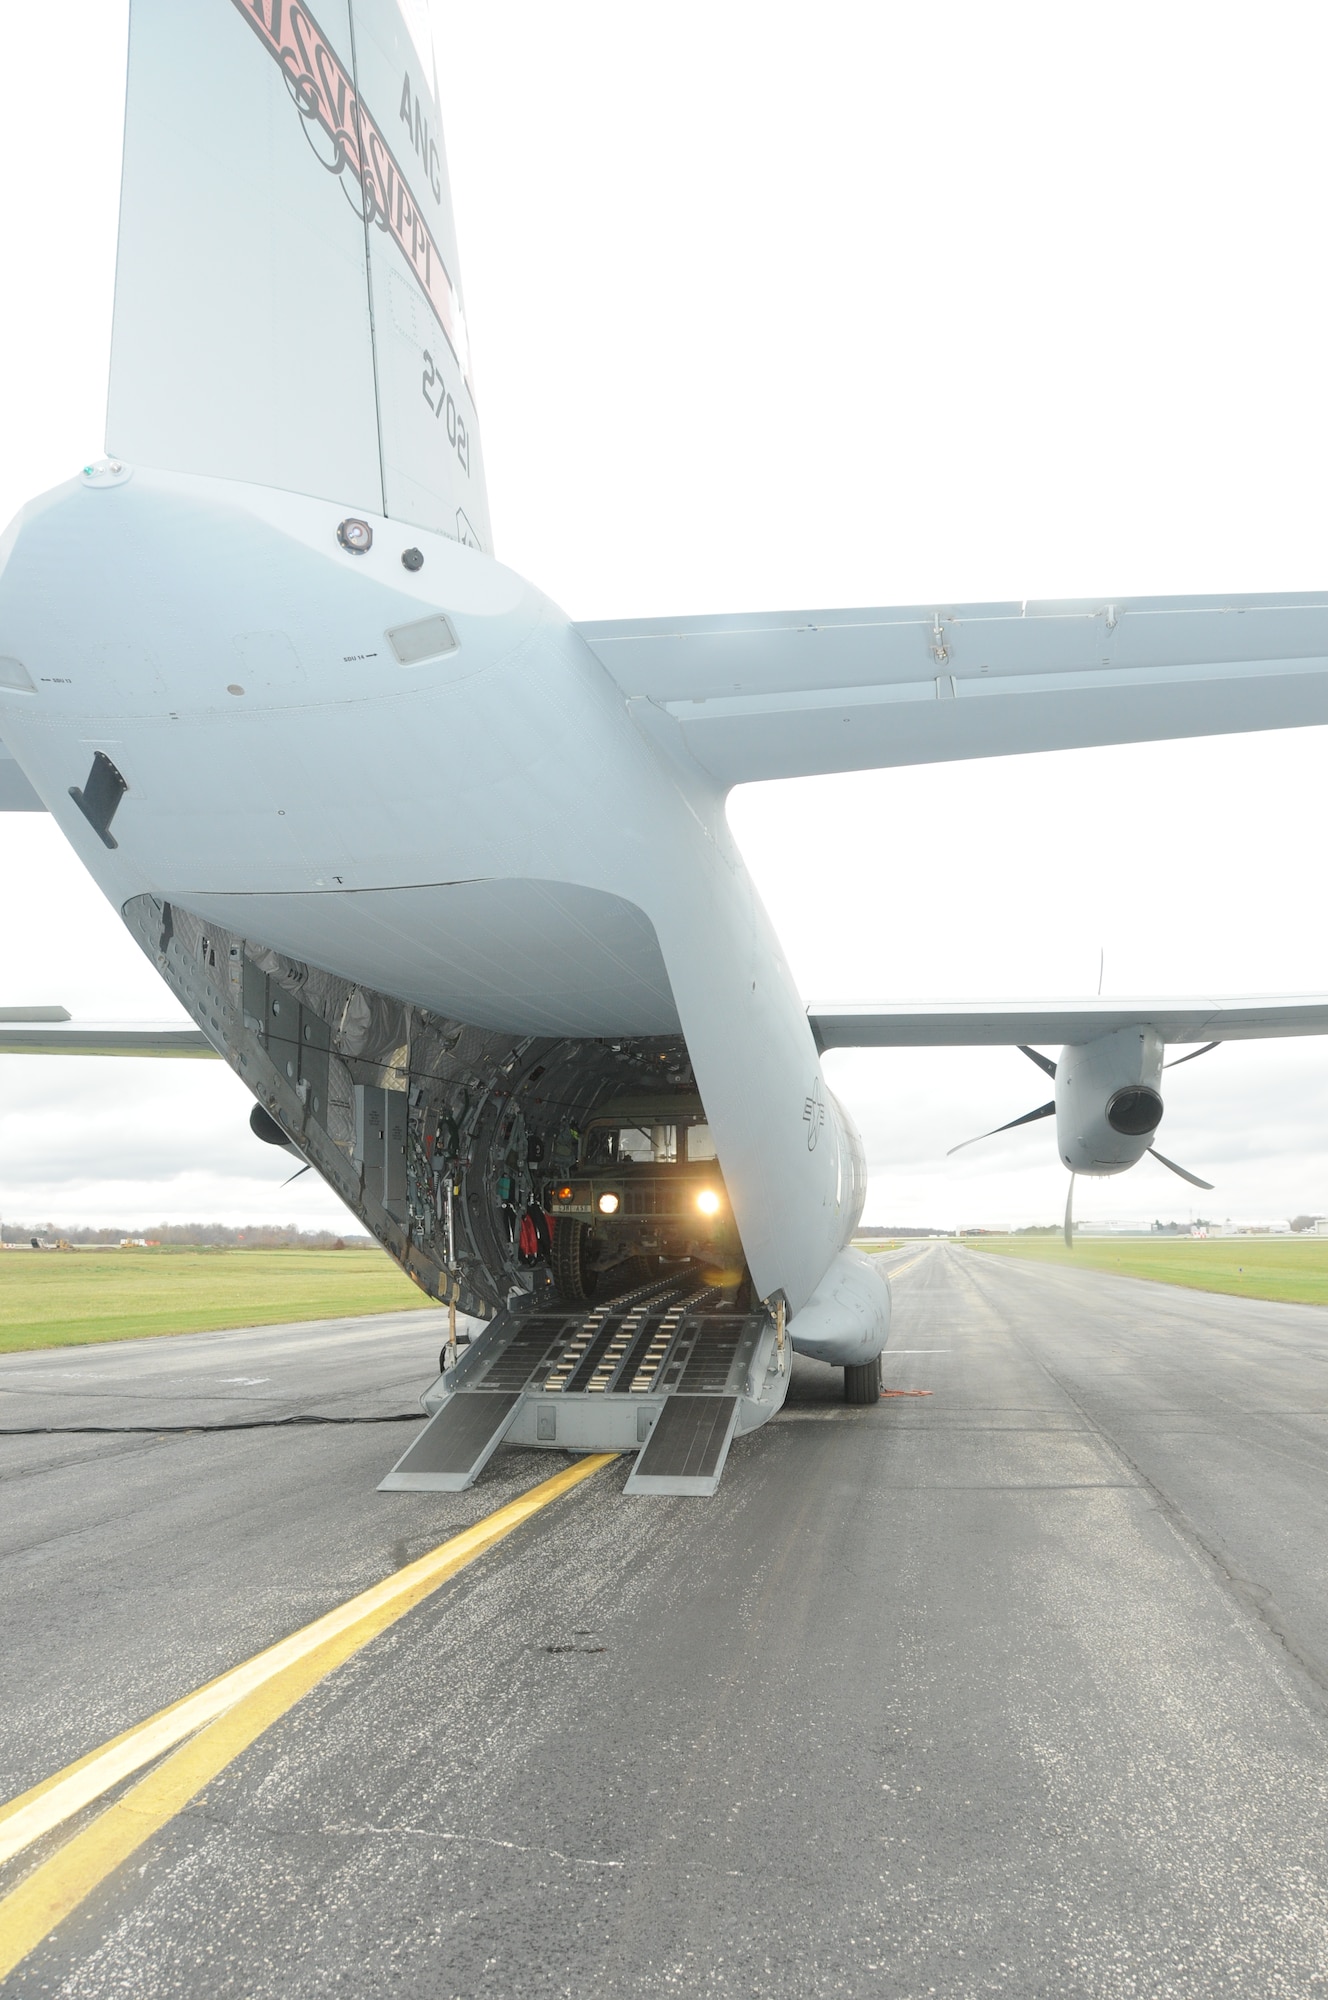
<point x="1258" y="1267"/>
<point x="61" y="1298"/>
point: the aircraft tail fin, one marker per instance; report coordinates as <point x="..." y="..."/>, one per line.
<point x="288" y="305"/>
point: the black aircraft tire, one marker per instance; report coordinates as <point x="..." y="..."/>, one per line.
<point x="573" y="1276"/>
<point x="863" y="1385"/>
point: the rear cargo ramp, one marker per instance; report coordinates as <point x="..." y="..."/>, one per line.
<point x="669" y="1371"/>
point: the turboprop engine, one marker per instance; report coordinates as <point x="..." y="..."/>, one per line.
<point x="1107" y="1105"/>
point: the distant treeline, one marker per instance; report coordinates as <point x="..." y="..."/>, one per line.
<point x="260" y="1236"/>
<point x="872" y="1232"/>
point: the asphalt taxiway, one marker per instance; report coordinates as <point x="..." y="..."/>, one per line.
<point x="1016" y="1686"/>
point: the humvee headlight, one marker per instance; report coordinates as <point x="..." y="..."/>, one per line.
<point x="608" y="1204"/>
<point x="564" y="1194"/>
<point x="708" y="1202"/>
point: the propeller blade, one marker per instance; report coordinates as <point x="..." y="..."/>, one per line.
<point x="1043" y="1062"/>
<point x="1043" y="1111"/>
<point x="1176" y="1061"/>
<point x="1069" y="1216"/>
<point x="1193" y="1179"/>
<point x="308" y="1163"/>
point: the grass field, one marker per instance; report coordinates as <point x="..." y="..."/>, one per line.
<point x="64" y="1298"/>
<point x="1256" y="1267"/>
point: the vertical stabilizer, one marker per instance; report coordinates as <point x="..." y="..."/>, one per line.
<point x="288" y="305"/>
<point x="432" y="469"/>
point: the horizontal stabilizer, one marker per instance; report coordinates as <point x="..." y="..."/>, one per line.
<point x="1008" y="1023"/>
<point x="793" y="694"/>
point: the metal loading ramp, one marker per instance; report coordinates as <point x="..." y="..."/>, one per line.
<point x="669" y="1371"/>
<point x="685" y="1452"/>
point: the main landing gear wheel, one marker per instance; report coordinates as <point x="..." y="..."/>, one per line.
<point x="573" y="1274"/>
<point x="863" y="1385"/>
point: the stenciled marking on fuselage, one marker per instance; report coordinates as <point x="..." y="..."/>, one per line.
<point x="458" y="436"/>
<point x="421" y="138"/>
<point x="324" y="92"/>
<point x="813" y="1114"/>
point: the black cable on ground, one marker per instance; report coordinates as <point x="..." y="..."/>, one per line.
<point x="185" y="1430"/>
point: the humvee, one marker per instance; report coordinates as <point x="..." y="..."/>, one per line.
<point x="646" y="1190"/>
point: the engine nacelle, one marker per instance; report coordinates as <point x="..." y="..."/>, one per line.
<point x="1108" y="1105"/>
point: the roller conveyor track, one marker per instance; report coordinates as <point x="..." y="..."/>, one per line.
<point x="670" y="1366"/>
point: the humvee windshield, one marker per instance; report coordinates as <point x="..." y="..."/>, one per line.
<point x="631" y="1145"/>
<point x="645" y="1145"/>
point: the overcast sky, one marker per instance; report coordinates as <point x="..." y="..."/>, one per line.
<point x="804" y="307"/>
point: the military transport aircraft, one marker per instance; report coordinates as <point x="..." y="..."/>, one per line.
<point x="446" y="878"/>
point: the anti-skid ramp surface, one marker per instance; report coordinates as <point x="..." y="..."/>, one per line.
<point x="686" y="1451"/>
<point x="455" y="1445"/>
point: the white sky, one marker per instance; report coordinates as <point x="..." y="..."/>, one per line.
<point x="845" y="305"/>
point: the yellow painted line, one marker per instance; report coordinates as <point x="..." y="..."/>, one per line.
<point x="897" y="1270"/>
<point x="222" y="1718"/>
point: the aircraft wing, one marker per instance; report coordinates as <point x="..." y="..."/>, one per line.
<point x="793" y="693"/>
<point x="1006" y="1023"/>
<point x="48" y="1031"/>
